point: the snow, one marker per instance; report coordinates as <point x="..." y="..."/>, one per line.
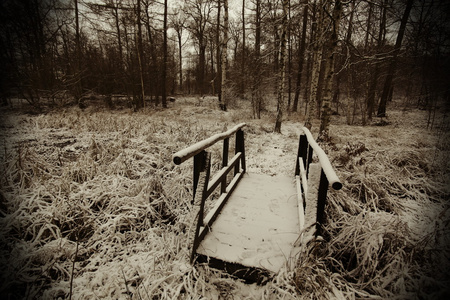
<point x="189" y="152"/>
<point x="324" y="161"/>
<point x="127" y="185"/>
<point x="258" y="225"/>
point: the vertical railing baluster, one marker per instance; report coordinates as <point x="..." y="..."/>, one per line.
<point x="237" y="149"/>
<point x="226" y="143"/>
<point x="240" y="139"/>
<point x="302" y="152"/>
<point x="199" y="162"/>
<point x="321" y="201"/>
<point x="309" y="159"/>
<point x="305" y="151"/>
<point x="203" y="189"/>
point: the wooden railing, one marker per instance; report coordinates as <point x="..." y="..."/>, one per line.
<point x="203" y="187"/>
<point x="307" y="146"/>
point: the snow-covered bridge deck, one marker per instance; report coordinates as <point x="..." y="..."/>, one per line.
<point x="258" y="225"/>
<point x="258" y="220"/>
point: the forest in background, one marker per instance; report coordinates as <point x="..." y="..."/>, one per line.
<point x="316" y="57"/>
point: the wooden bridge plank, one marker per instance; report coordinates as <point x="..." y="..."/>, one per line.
<point x="259" y="224"/>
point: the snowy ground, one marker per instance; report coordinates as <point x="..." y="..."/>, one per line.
<point x="92" y="205"/>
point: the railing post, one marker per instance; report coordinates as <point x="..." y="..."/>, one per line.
<point x="203" y="189"/>
<point x="226" y="143"/>
<point x="309" y="159"/>
<point x="321" y="201"/>
<point x="242" y="142"/>
<point x="302" y="152"/>
<point x="240" y="148"/>
<point x="199" y="165"/>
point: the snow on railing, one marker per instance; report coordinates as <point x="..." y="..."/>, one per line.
<point x="324" y="161"/>
<point x="314" y="190"/>
<point x="203" y="187"/>
<point x="187" y="153"/>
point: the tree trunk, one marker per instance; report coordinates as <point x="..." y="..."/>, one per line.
<point x="119" y="38"/>
<point x="309" y="62"/>
<point x="348" y="40"/>
<point x="316" y="67"/>
<point x="375" y="74"/>
<point x="387" y="89"/>
<point x="140" y="102"/>
<point x="349" y="97"/>
<point x="289" y="43"/>
<point x="180" y="58"/>
<point x="223" y="85"/>
<point x="78" y="85"/>
<point x="153" y="67"/>
<point x="329" y="70"/>
<point x="212" y="47"/>
<point x="201" y="68"/>
<point x="165" y="55"/>
<point x="256" y="86"/>
<point x="243" y="51"/>
<point x="218" y="78"/>
<point x="301" y="58"/>
<point x="282" y="68"/>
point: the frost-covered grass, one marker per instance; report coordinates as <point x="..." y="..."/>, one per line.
<point x="387" y="231"/>
<point x="92" y="206"/>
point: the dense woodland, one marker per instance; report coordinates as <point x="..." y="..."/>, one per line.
<point x="316" y="57"/>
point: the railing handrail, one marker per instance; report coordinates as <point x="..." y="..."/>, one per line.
<point x="191" y="151"/>
<point x="203" y="187"/>
<point x="332" y="178"/>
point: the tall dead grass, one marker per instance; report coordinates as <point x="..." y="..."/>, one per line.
<point x="387" y="235"/>
<point x="92" y="207"/>
<point x="100" y="181"/>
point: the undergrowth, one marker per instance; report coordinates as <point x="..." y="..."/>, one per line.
<point x="387" y="233"/>
<point x="91" y="206"/>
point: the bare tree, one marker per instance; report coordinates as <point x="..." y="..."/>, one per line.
<point x="243" y="58"/>
<point x="154" y="67"/>
<point x="165" y="55"/>
<point x="223" y="88"/>
<point x="178" y="18"/>
<point x="331" y="46"/>
<point x="199" y="12"/>
<point x="78" y="85"/>
<point x="257" y="77"/>
<point x="31" y="31"/>
<point x="47" y="46"/>
<point x="318" y="31"/>
<point x="349" y="54"/>
<point x="218" y="78"/>
<point x="282" y="68"/>
<point x="301" y="58"/>
<point x="375" y="71"/>
<point x="387" y="88"/>
<point x="140" y="100"/>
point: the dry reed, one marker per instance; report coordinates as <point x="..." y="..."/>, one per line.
<point x="92" y="207"/>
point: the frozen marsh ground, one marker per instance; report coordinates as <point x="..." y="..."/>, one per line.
<point x="92" y="206"/>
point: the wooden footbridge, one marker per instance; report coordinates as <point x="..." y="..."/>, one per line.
<point x="258" y="221"/>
